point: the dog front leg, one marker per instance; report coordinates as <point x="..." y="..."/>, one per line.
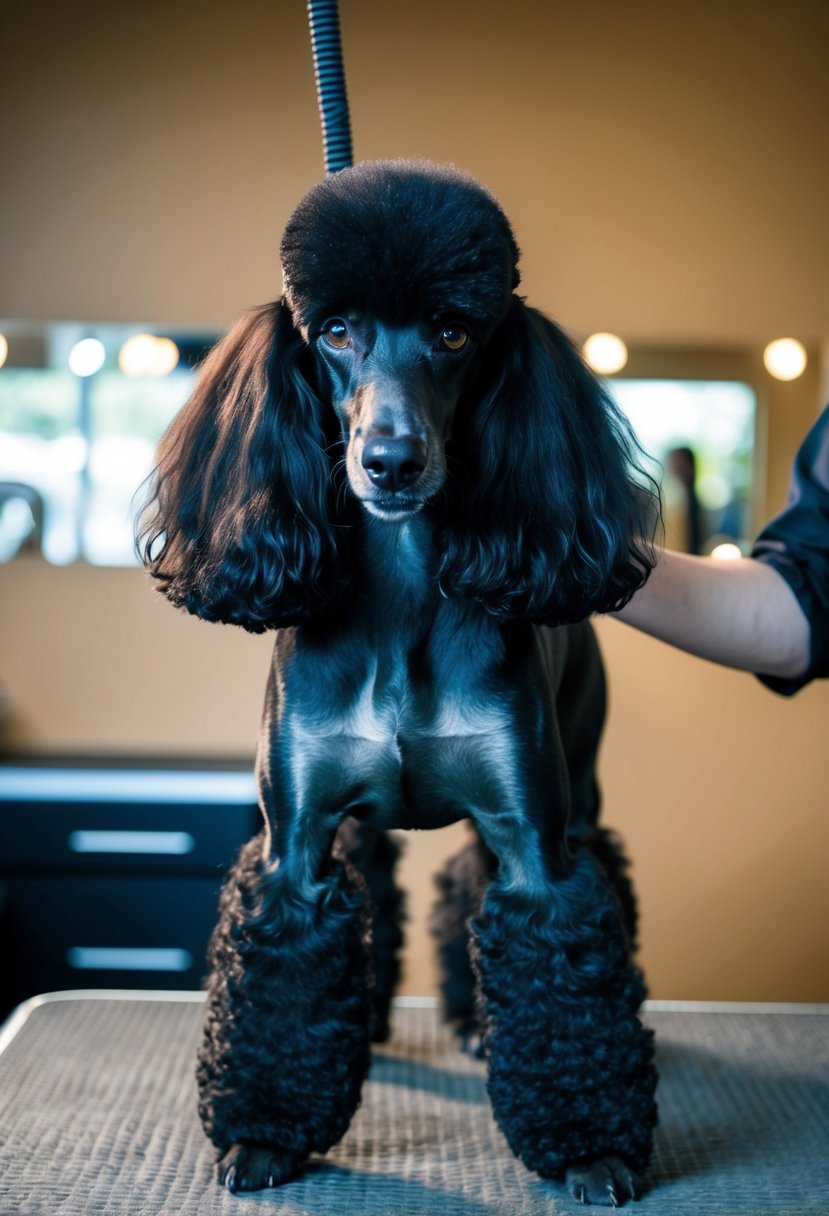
<point x="571" y="1076"/>
<point x="286" y="1037"/>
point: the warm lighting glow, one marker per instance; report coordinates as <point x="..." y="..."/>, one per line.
<point x="785" y="359"/>
<point x="147" y="355"/>
<point x="605" y="353"/>
<point x="4" y="349"/>
<point x="726" y="552"/>
<point x="87" y="357"/>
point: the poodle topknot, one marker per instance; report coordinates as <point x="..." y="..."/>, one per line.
<point x="396" y="238"/>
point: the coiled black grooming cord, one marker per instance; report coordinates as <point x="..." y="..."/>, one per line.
<point x="324" y="21"/>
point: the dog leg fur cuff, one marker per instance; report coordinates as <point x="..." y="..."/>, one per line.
<point x="571" y="1076"/>
<point x="286" y="1038"/>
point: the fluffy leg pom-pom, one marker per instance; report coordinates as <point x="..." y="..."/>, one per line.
<point x="571" y="1073"/>
<point x="286" y="1037"/>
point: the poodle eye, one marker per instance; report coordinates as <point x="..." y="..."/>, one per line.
<point x="336" y="334"/>
<point x="453" y="338"/>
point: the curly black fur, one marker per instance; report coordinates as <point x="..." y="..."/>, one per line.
<point x="462" y="884"/>
<point x="606" y="847"/>
<point x="285" y="976"/>
<point x="571" y="1073"/>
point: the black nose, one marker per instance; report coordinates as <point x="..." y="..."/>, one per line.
<point x="393" y="464"/>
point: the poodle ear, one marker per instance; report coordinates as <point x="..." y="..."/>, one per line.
<point x="554" y="518"/>
<point x="239" y="525"/>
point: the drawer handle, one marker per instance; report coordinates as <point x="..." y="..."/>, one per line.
<point x="123" y="958"/>
<point x="174" y="844"/>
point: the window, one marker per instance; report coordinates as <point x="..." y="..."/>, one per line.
<point x="74" y="448"/>
<point x="700" y="436"/>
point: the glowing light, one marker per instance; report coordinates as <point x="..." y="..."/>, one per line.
<point x="147" y="355"/>
<point x="4" y="349"/>
<point x="785" y="359"/>
<point x="605" y="353"/>
<point x="726" y="552"/>
<point x="87" y="357"/>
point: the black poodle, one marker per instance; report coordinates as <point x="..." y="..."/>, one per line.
<point x="412" y="476"/>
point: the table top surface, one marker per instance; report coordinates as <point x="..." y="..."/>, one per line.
<point x="98" y="1115"/>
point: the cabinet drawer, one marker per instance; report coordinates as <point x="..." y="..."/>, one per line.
<point x="126" y="932"/>
<point x="123" y="819"/>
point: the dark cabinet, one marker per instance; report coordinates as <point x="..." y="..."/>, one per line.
<point x="110" y="870"/>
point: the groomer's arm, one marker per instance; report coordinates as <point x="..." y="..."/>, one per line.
<point x="740" y="613"/>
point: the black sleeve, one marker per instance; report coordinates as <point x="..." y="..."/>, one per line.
<point x="796" y="544"/>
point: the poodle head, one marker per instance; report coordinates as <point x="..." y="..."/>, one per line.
<point x="401" y="344"/>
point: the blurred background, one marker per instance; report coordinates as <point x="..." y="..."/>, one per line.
<point x="666" y="172"/>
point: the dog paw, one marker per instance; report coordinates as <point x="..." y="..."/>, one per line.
<point x="251" y="1167"/>
<point x="608" y="1182"/>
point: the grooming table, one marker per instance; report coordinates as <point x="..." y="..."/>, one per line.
<point x="97" y="1115"/>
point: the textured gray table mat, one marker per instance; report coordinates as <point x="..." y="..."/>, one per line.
<point x="97" y="1115"/>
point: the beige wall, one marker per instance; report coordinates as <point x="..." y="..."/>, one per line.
<point x="665" y="169"/>
<point x="665" y="165"/>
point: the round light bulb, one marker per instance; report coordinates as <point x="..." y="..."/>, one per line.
<point x="147" y="355"/>
<point x="785" y="359"/>
<point x="166" y="356"/>
<point x="144" y="354"/>
<point x="135" y="356"/>
<point x="4" y="349"/>
<point x="87" y="357"/>
<point x="726" y="552"/>
<point x="605" y="353"/>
